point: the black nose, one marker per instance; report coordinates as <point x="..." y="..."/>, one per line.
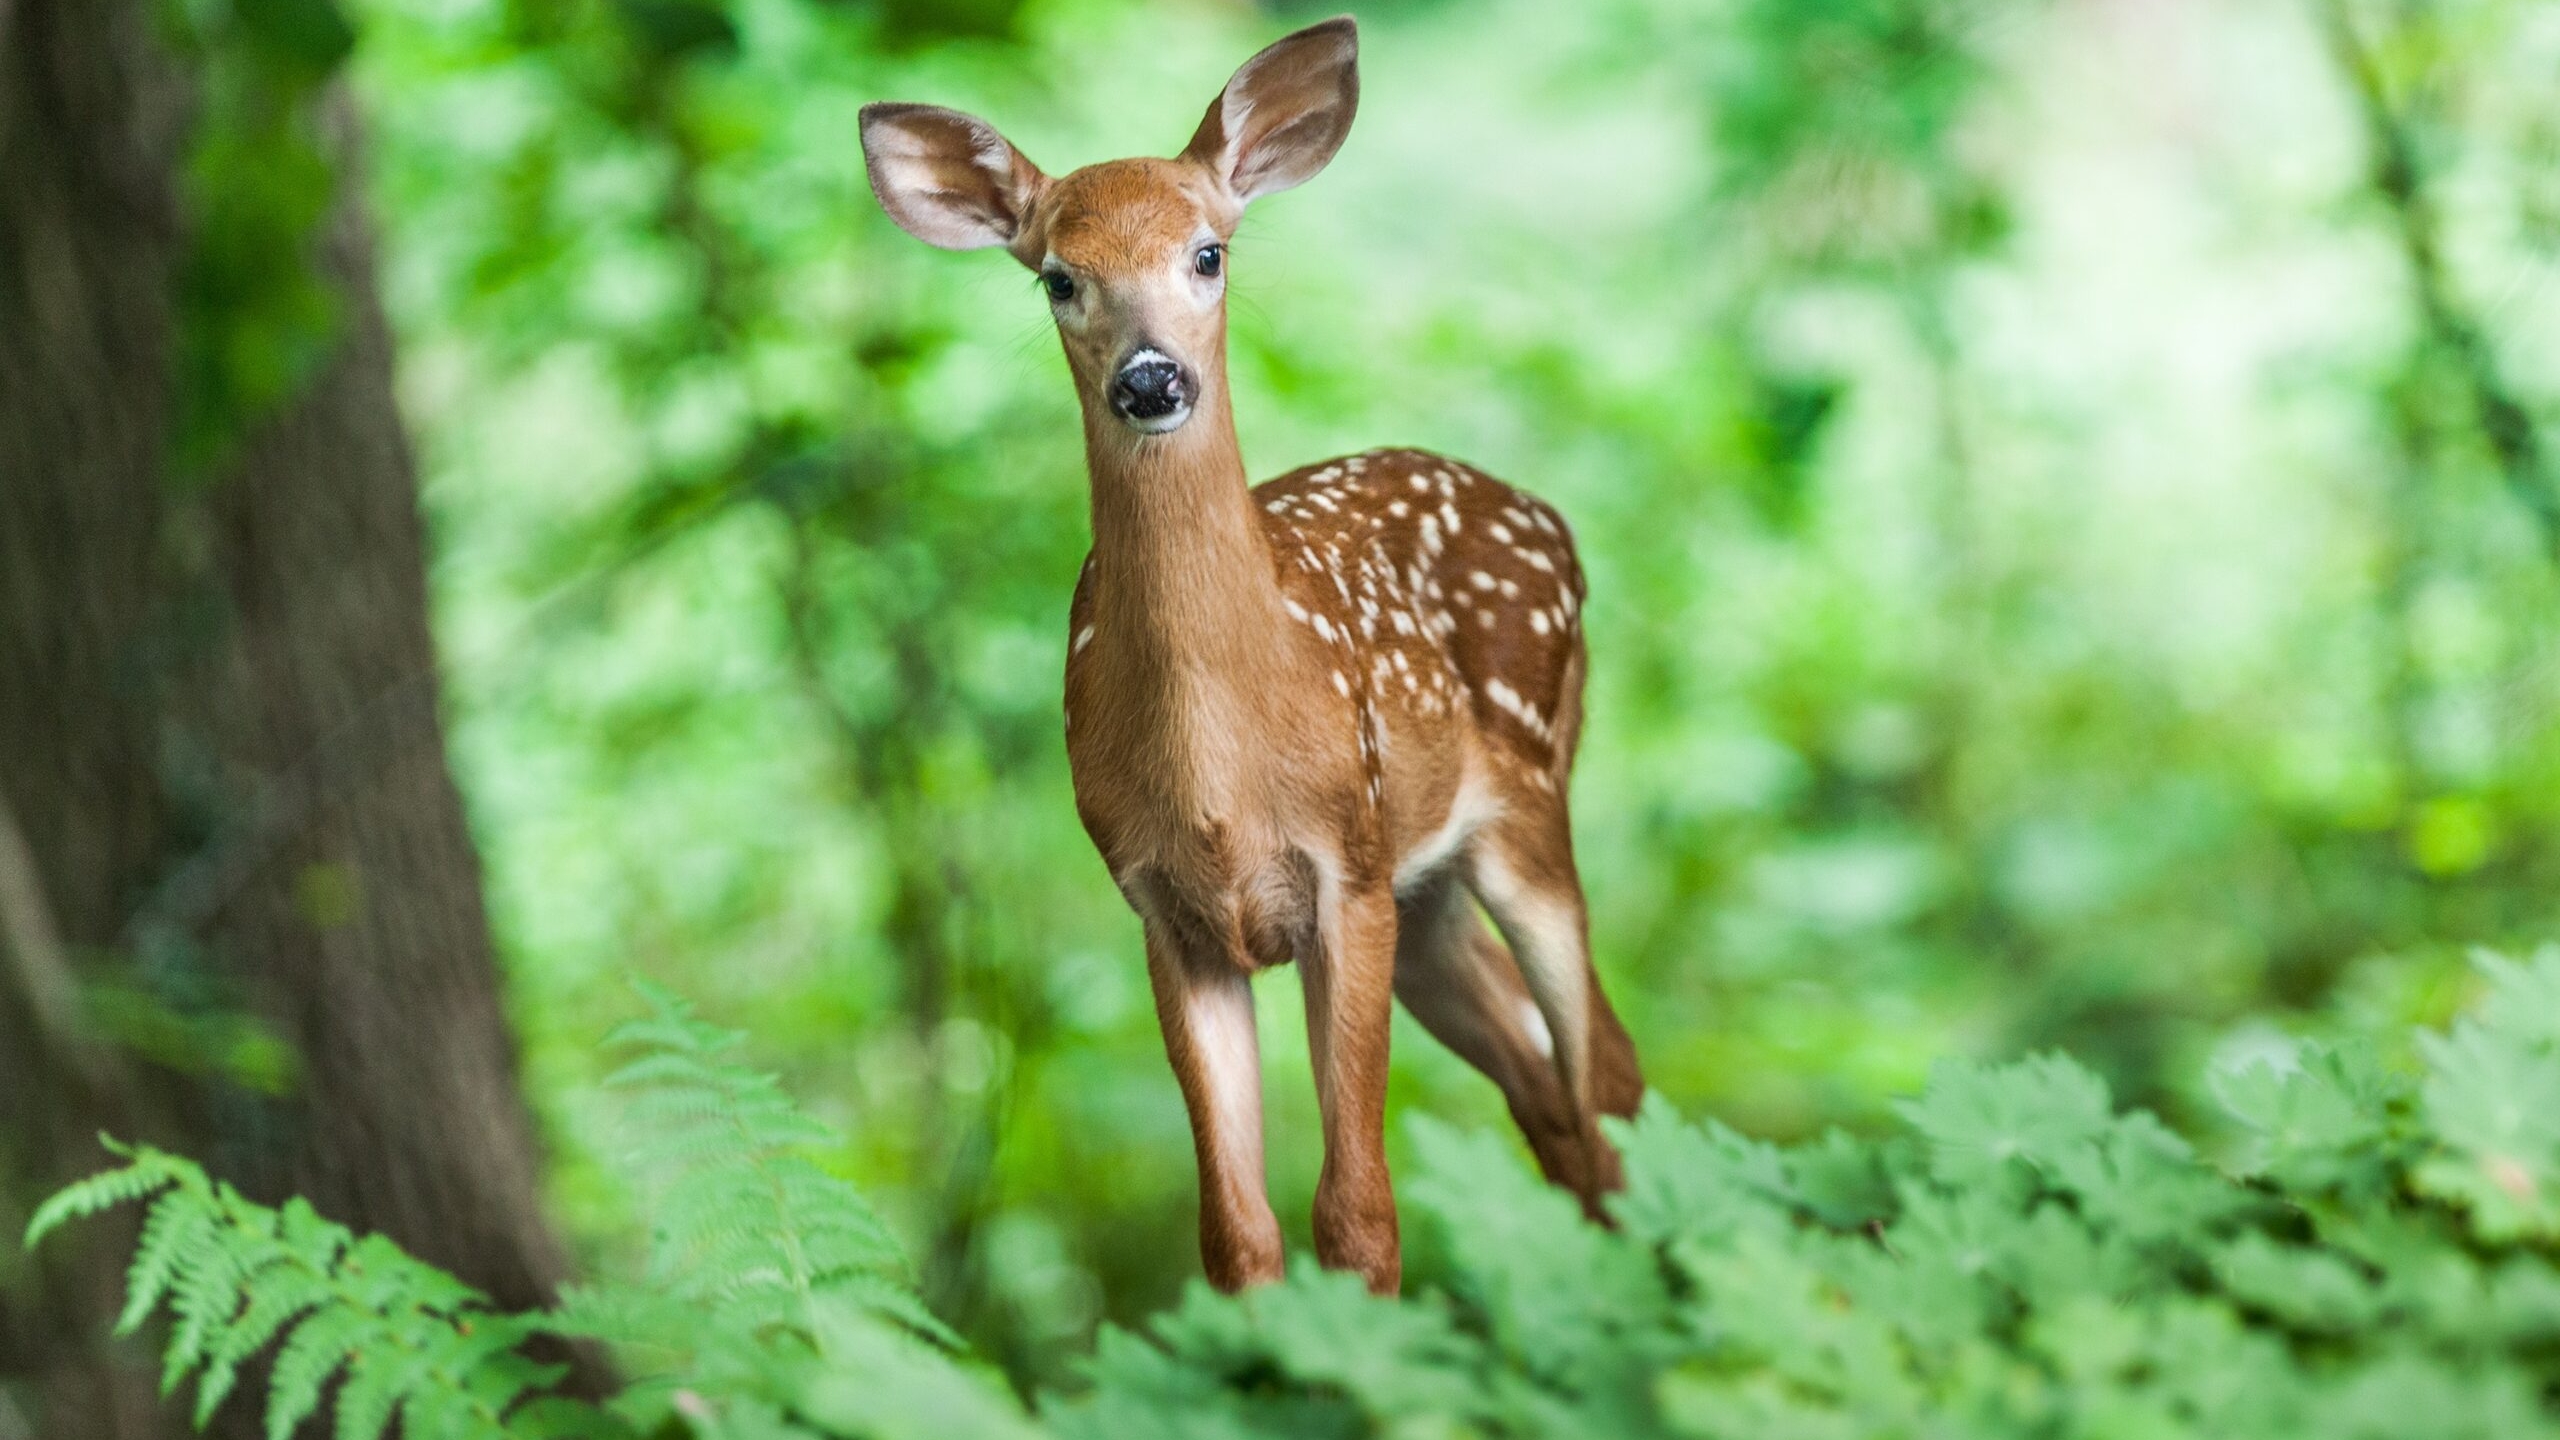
<point x="1149" y="387"/>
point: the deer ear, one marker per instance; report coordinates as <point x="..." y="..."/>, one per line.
<point x="1285" y="113"/>
<point x="948" y="179"/>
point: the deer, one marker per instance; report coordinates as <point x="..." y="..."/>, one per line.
<point x="1328" y="719"/>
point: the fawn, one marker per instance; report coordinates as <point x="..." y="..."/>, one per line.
<point x="1318" y="719"/>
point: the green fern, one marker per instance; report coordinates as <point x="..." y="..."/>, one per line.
<point x="767" y="1278"/>
<point x="757" y="1258"/>
<point x="406" y="1341"/>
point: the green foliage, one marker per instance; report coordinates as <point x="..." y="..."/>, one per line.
<point x="2484" y="1097"/>
<point x="2032" y="609"/>
<point x="257" y="311"/>
<point x="386" y="1337"/>
<point x="1846" y="116"/>
<point x="2027" y="1260"/>
<point x="758" y="1259"/>
<point x="765" y="1277"/>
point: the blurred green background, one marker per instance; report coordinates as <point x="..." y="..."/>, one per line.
<point x="2072" y="552"/>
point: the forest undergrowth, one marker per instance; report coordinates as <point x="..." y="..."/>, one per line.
<point x="2372" y="1257"/>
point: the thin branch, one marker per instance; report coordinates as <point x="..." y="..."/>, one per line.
<point x="2398" y="177"/>
<point x="42" y="966"/>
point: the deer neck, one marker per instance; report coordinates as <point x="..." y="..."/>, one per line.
<point x="1183" y="582"/>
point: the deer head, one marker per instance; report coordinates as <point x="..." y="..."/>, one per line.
<point x="1132" y="254"/>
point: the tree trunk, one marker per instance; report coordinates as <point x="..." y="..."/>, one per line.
<point x="223" y="787"/>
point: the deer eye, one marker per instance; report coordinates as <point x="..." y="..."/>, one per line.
<point x="1209" y="259"/>
<point x="1060" y="285"/>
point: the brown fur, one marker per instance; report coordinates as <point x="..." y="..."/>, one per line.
<point x="1319" y="719"/>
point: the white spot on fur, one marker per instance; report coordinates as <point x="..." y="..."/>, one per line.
<point x="1541" y="1039"/>
<point x="1469" y="809"/>
<point x="1515" y="705"/>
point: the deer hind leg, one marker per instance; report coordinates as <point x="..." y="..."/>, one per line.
<point x="1460" y="981"/>
<point x="1521" y="867"/>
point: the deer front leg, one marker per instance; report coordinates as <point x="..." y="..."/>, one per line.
<point x="1204" y="1005"/>
<point x="1350" y="989"/>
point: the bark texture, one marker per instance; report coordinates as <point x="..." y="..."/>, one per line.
<point x="221" y="758"/>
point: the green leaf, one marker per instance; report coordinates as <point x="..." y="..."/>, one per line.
<point x="2321" y="1123"/>
<point x="879" y="1380"/>
<point x="174" y="1226"/>
<point x="2141" y="1181"/>
<point x="2492" y="1101"/>
<point x="1697" y="1182"/>
<point x="103" y="1191"/>
<point x="307" y="37"/>
<point x="1841" y="1180"/>
<point x="1979" y="1119"/>
<point x="1566" y="1300"/>
<point x="2524" y="999"/>
<point x="2309" y="1289"/>
<point x="677" y="28"/>
<point x="1325" y="1330"/>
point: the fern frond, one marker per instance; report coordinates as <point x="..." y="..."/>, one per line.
<point x="204" y="1295"/>
<point x="180" y="1219"/>
<point x="274" y="1304"/>
<point x="311" y="1355"/>
<point x="100" y="1192"/>
<point x="417" y="1347"/>
<point x="745" y="1224"/>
